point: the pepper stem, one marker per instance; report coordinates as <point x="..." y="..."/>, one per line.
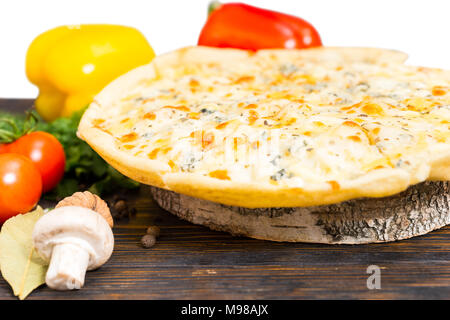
<point x="213" y="5"/>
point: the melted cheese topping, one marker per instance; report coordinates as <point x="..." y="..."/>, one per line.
<point x="285" y="120"/>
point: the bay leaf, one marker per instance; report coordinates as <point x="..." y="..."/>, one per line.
<point x="20" y="264"/>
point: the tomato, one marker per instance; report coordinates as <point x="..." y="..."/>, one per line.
<point x="4" y="148"/>
<point x="20" y="185"/>
<point x="46" y="152"/>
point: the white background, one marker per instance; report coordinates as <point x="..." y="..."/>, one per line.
<point x="420" y="28"/>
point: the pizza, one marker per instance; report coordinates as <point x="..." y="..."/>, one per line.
<point x="275" y="128"/>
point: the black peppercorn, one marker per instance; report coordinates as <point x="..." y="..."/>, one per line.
<point x="120" y="205"/>
<point x="153" y="230"/>
<point x="148" y="241"/>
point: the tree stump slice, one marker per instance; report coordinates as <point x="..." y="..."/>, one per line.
<point x="418" y="210"/>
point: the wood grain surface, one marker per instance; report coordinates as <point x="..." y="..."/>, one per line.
<point x="193" y="262"/>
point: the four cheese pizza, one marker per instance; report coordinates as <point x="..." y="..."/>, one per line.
<point x="276" y="128"/>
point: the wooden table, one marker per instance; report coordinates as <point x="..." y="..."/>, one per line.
<point x="193" y="262"/>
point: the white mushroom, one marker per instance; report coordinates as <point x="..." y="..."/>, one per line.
<point x="74" y="239"/>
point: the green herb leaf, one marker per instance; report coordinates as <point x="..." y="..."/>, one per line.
<point x="65" y="188"/>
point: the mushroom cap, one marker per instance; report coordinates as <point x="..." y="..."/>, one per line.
<point x="76" y="225"/>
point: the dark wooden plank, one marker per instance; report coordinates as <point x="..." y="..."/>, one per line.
<point x="15" y="105"/>
<point x="193" y="262"/>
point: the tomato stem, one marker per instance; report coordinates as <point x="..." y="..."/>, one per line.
<point x="6" y="136"/>
<point x="11" y="134"/>
<point x="12" y="124"/>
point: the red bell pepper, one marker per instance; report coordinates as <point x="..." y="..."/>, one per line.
<point x="238" y="25"/>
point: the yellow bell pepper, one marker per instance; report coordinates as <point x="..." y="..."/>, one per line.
<point x="70" y="65"/>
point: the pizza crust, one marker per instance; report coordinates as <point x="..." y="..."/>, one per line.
<point x="378" y="183"/>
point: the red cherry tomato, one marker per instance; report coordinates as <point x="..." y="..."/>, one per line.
<point x="20" y="185"/>
<point x="4" y="148"/>
<point x="46" y="152"/>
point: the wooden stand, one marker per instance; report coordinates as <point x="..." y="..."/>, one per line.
<point x="420" y="209"/>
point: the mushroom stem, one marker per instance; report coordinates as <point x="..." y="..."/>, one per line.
<point x="68" y="266"/>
